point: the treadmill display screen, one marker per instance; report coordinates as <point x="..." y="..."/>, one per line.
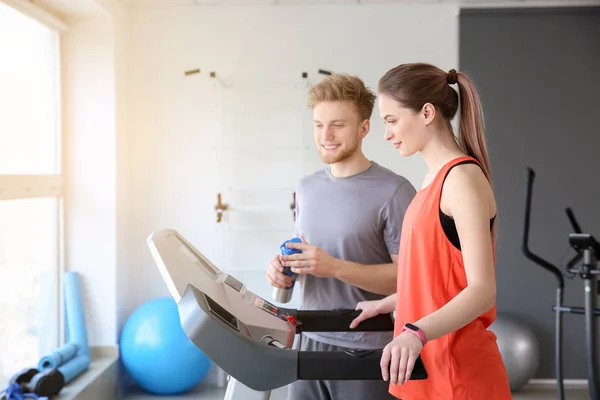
<point x="222" y="313"/>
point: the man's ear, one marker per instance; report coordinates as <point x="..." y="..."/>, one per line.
<point x="365" y="128"/>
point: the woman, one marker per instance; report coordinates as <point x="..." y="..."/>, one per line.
<point x="446" y="288"/>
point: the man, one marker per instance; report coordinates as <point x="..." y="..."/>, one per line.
<point x="349" y="215"/>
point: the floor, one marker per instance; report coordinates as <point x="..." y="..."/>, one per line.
<point x="536" y="393"/>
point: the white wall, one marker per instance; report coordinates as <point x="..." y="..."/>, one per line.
<point x="171" y="155"/>
<point x="95" y="158"/>
<point x="139" y="154"/>
<point x="90" y="170"/>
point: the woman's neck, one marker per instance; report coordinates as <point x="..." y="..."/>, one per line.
<point x="441" y="149"/>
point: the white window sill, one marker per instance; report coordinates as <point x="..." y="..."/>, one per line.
<point x="99" y="382"/>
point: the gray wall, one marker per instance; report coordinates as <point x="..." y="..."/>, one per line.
<point x="538" y="71"/>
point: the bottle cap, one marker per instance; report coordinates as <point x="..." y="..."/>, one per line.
<point x="286" y="250"/>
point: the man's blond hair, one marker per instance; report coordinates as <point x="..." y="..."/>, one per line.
<point x="344" y="87"/>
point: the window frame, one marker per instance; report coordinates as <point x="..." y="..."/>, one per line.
<point x="38" y="14"/>
<point x="27" y="186"/>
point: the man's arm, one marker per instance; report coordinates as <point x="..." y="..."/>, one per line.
<point x="378" y="278"/>
<point x="381" y="278"/>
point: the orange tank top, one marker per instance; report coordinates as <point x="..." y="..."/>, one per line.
<point x="465" y="364"/>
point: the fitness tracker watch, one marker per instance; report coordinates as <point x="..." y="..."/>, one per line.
<point x="415" y="330"/>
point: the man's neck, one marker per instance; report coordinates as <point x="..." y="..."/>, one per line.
<point x="353" y="165"/>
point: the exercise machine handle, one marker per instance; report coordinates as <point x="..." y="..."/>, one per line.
<point x="573" y="220"/>
<point x="347" y="365"/>
<point x="571" y="264"/>
<point x="577" y="229"/>
<point x="530" y="177"/>
<point x="339" y="321"/>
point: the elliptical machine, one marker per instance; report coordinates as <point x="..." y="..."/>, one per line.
<point x="588" y="250"/>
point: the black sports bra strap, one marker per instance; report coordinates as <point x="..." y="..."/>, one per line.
<point x="447" y="221"/>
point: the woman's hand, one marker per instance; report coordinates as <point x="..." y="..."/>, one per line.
<point x="399" y="358"/>
<point x="369" y="310"/>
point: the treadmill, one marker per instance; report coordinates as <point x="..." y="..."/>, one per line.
<point x="250" y="338"/>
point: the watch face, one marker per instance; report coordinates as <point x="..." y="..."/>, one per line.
<point x="411" y="327"/>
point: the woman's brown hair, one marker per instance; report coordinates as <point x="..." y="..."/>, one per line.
<point x="415" y="84"/>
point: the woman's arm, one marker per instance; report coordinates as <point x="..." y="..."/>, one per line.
<point x="388" y="304"/>
<point x="373" y="308"/>
<point x="468" y="198"/>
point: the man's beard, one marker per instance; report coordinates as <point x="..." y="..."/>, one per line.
<point x="339" y="156"/>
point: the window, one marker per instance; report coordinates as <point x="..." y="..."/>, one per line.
<point x="30" y="191"/>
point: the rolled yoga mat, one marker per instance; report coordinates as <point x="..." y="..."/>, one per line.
<point x="59" y="356"/>
<point x="76" y="327"/>
<point x="74" y="357"/>
<point x="74" y="367"/>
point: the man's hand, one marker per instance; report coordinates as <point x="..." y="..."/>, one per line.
<point x="275" y="274"/>
<point x="313" y="260"/>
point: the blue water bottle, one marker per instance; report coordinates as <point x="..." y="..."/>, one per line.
<point x="285" y="295"/>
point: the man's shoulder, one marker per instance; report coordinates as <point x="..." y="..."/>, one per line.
<point x="393" y="179"/>
<point x="386" y="180"/>
<point x="318" y="175"/>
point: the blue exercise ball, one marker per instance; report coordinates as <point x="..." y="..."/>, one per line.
<point x="156" y="352"/>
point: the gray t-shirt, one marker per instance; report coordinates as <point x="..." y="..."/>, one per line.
<point x="357" y="218"/>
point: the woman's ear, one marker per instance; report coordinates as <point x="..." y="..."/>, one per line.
<point x="428" y="113"/>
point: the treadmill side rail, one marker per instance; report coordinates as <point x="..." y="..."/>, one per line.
<point x="341" y="365"/>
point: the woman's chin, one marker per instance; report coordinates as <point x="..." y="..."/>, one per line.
<point x="404" y="152"/>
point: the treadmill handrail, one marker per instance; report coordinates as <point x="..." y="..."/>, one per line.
<point x="339" y="321"/>
<point x="351" y="365"/>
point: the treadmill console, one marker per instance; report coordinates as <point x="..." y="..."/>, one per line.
<point x="225" y="297"/>
<point x="221" y="313"/>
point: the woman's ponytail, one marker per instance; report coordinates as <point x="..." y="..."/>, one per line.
<point x="470" y="129"/>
